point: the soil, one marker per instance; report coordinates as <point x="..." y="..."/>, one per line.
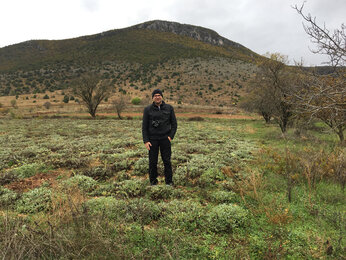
<point x="33" y="182"/>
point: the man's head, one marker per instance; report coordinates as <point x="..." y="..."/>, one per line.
<point x="157" y="96"/>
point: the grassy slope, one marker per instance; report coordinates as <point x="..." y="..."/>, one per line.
<point x="129" y="219"/>
<point x="127" y="45"/>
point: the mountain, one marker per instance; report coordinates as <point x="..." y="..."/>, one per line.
<point x="144" y="55"/>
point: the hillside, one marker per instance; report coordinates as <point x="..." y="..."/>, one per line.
<point x="161" y="54"/>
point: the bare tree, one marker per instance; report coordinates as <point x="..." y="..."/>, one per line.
<point x="323" y="96"/>
<point x="119" y="105"/>
<point x="257" y="101"/>
<point x="91" y="90"/>
<point x="275" y="78"/>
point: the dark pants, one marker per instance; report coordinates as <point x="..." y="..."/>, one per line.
<point x="164" y="146"/>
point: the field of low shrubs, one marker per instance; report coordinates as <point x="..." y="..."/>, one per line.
<point x="74" y="188"/>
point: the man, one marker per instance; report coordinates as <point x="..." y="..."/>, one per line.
<point x="158" y="129"/>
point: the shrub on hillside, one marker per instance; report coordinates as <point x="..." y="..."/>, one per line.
<point x="186" y="215"/>
<point x="130" y="188"/>
<point x="136" y="101"/>
<point x="98" y="173"/>
<point x="29" y="170"/>
<point x="7" y="197"/>
<point x="180" y="177"/>
<point x="47" y="105"/>
<point x="84" y="183"/>
<point x="7" y="177"/>
<point x="222" y="196"/>
<point x="160" y="192"/>
<point x="226" y="218"/>
<point x="141" y="167"/>
<point x="33" y="201"/>
<point x="209" y="177"/>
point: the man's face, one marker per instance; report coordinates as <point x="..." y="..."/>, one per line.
<point x="157" y="98"/>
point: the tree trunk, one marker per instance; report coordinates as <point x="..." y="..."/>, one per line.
<point x="266" y="117"/>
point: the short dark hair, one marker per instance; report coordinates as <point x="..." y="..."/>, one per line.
<point x="156" y="91"/>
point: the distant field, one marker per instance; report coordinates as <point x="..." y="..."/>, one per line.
<point x="78" y="188"/>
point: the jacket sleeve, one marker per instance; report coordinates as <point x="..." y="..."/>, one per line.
<point x="174" y="124"/>
<point x="145" y="126"/>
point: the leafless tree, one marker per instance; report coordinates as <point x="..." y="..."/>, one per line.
<point x="323" y="96"/>
<point x="119" y="105"/>
<point x="91" y="90"/>
<point x="275" y="78"/>
<point x="256" y="99"/>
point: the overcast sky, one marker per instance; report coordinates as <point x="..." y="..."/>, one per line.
<point x="260" y="25"/>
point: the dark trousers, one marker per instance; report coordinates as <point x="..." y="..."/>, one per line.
<point x="164" y="146"/>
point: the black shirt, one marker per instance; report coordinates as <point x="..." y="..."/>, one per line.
<point x="158" y="122"/>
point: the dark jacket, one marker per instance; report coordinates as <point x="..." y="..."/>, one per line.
<point x="158" y="122"/>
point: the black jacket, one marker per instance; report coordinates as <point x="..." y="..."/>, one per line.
<point x="158" y="122"/>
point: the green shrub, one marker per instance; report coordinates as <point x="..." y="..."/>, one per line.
<point x="136" y="210"/>
<point x="111" y="207"/>
<point x="122" y="176"/>
<point x="183" y="214"/>
<point x="143" y="211"/>
<point x="7" y="197"/>
<point x="84" y="183"/>
<point x="33" y="201"/>
<point x="221" y="196"/>
<point x="180" y="176"/>
<point x="209" y="177"/>
<point x="98" y="173"/>
<point x="66" y="99"/>
<point x="159" y="192"/>
<point x="130" y="188"/>
<point x="136" y="101"/>
<point x="7" y="177"/>
<point x="141" y="167"/>
<point x="106" y="189"/>
<point x="226" y="218"/>
<point x="29" y="170"/>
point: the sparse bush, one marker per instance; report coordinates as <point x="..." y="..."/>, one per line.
<point x="66" y="99"/>
<point x="141" y="167"/>
<point x="29" y="170"/>
<point x="209" y="177"/>
<point x="186" y="215"/>
<point x="7" y="177"/>
<point x="7" y="197"/>
<point x="143" y="211"/>
<point x="159" y="192"/>
<point x="221" y="196"/>
<point x="33" y="201"/>
<point x="14" y="103"/>
<point x="47" y="105"/>
<point x="46" y="97"/>
<point x="226" y="218"/>
<point x="180" y="176"/>
<point x="130" y="188"/>
<point x="111" y="207"/>
<point x="136" y="101"/>
<point x="99" y="173"/>
<point x="84" y="183"/>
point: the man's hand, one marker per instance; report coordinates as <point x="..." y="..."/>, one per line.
<point x="169" y="138"/>
<point x="147" y="145"/>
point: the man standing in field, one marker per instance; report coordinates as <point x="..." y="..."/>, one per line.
<point x="158" y="129"/>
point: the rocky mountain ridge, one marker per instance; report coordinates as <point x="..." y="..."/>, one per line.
<point x="192" y="31"/>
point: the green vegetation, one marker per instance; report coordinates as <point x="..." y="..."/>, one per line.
<point x="73" y="188"/>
